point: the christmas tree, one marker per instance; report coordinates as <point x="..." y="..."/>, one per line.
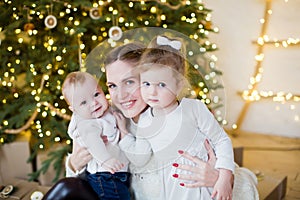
<point x="42" y="41"/>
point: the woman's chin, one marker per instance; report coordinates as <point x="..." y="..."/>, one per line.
<point x="133" y="112"/>
<point x="130" y="113"/>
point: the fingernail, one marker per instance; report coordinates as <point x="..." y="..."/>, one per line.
<point x="175" y="175"/>
<point x="181" y="184"/>
<point x="175" y="165"/>
<point x="180" y="151"/>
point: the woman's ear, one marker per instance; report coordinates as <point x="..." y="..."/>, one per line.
<point x="71" y="108"/>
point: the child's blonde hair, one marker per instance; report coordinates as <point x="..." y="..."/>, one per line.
<point x="165" y="51"/>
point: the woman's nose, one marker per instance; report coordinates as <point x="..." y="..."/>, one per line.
<point x="122" y="93"/>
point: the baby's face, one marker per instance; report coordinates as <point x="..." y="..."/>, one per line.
<point x="159" y="87"/>
<point x="88" y="100"/>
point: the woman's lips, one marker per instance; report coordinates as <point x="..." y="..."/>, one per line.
<point x="128" y="104"/>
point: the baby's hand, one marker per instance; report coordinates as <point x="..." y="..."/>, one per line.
<point x="112" y="165"/>
<point x="223" y="186"/>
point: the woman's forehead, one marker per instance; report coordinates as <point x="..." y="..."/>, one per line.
<point x="119" y="71"/>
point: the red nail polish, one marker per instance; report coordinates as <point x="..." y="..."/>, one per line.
<point x="175" y="175"/>
<point x="180" y="151"/>
<point x="181" y="184"/>
<point x="175" y="165"/>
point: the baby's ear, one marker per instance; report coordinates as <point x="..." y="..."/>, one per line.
<point x="70" y="107"/>
<point x="180" y="85"/>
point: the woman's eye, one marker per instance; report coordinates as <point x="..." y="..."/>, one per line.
<point x="162" y="85"/>
<point x="129" y="82"/>
<point x="97" y="94"/>
<point x="146" y="84"/>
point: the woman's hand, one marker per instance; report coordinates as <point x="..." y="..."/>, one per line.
<point x="79" y="157"/>
<point x="203" y="174"/>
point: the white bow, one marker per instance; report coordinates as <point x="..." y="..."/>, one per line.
<point x="175" y="44"/>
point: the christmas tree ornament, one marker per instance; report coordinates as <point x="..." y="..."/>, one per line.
<point x="6" y="191"/>
<point x="37" y="195"/>
<point x="115" y="33"/>
<point x="50" y="21"/>
<point x="95" y="13"/>
<point x="208" y="25"/>
<point x="28" y="27"/>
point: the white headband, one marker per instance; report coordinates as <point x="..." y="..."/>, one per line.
<point x="175" y="44"/>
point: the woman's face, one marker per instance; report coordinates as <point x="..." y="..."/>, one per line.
<point x="124" y="88"/>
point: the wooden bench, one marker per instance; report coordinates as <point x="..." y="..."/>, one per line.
<point x="270" y="186"/>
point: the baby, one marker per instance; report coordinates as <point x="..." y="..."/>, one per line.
<point x="92" y="119"/>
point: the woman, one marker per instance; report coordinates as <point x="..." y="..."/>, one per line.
<point x="123" y="86"/>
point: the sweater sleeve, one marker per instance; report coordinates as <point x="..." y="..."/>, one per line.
<point x="137" y="150"/>
<point x="90" y="136"/>
<point x="217" y="137"/>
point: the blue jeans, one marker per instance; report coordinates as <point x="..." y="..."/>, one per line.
<point x="110" y="186"/>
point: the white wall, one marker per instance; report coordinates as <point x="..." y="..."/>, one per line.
<point x="239" y="25"/>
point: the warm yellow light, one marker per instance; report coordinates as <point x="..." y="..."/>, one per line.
<point x="163" y="17"/>
<point x="58" y="58"/>
<point x="48" y="133"/>
<point x="121" y="19"/>
<point x="17" y="31"/>
<point x="60" y="72"/>
<point x="153" y="9"/>
<point x="5" y="122"/>
<point x="44" y="114"/>
<point x="37" y="98"/>
<point x="259" y="57"/>
<point x="234" y="126"/>
<point x="115" y="12"/>
<point x="82" y="46"/>
<point x="20" y="40"/>
<point x="50" y="41"/>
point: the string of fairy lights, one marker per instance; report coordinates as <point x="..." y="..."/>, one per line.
<point x="45" y="108"/>
<point x="251" y="94"/>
